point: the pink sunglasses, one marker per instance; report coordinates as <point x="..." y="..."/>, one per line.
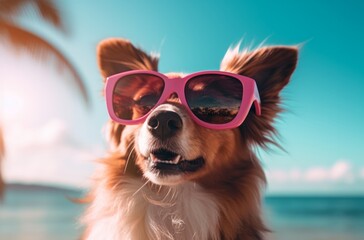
<point x="213" y="99"/>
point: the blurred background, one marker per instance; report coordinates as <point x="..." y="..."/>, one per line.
<point x="52" y="112"/>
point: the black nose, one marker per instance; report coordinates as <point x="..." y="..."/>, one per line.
<point x="164" y="124"/>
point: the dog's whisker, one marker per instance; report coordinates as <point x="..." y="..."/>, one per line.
<point x="140" y="188"/>
<point x="131" y="151"/>
<point x="166" y="196"/>
<point x="131" y="143"/>
<point x="160" y="188"/>
<point x="175" y="194"/>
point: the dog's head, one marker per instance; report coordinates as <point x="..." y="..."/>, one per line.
<point x="169" y="147"/>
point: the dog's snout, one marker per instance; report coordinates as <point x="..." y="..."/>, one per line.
<point x="164" y="124"/>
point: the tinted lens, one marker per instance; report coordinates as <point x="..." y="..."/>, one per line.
<point x="135" y="95"/>
<point x="214" y="98"/>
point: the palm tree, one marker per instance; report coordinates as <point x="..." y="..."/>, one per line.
<point x="18" y="37"/>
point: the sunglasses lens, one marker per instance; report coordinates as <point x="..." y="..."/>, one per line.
<point x="135" y="95"/>
<point x="214" y="98"/>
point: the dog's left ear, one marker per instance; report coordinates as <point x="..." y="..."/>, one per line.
<point x="271" y="68"/>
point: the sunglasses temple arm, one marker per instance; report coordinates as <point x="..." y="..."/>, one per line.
<point x="257" y="100"/>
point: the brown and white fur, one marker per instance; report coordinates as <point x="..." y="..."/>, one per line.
<point x="221" y="200"/>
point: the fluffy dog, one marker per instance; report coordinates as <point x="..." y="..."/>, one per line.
<point x="221" y="198"/>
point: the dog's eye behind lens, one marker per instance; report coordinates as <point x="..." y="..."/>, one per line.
<point x="146" y="103"/>
<point x="135" y="95"/>
<point x="214" y="99"/>
<point x="147" y="100"/>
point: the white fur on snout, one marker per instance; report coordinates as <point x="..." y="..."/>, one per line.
<point x="183" y="143"/>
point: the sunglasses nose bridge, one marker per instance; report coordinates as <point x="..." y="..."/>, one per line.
<point x="174" y="89"/>
<point x="173" y="97"/>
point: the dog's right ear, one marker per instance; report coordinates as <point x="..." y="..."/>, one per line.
<point x="115" y="55"/>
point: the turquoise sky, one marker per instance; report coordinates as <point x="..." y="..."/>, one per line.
<point x="323" y="127"/>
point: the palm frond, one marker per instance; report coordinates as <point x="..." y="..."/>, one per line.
<point x="13" y="7"/>
<point x="38" y="47"/>
<point x="49" y="11"/>
<point x="45" y="9"/>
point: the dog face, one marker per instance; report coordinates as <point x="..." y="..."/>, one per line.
<point x="169" y="148"/>
<point x="176" y="149"/>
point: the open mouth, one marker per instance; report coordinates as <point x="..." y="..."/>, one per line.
<point x="169" y="163"/>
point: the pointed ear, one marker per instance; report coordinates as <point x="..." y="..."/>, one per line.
<point x="117" y="55"/>
<point x="271" y="68"/>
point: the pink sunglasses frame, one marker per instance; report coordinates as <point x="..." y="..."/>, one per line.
<point x="177" y="85"/>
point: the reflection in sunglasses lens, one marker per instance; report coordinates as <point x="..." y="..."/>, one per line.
<point x="214" y="98"/>
<point x="135" y="95"/>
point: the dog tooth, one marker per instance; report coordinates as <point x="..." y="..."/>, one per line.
<point x="177" y="159"/>
<point x="153" y="158"/>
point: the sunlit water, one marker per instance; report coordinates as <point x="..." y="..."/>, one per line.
<point x="39" y="214"/>
<point x="316" y="218"/>
<point x="42" y="214"/>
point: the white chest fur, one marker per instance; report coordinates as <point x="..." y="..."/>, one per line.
<point x="137" y="212"/>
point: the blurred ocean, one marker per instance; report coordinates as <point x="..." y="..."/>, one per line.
<point x="43" y="213"/>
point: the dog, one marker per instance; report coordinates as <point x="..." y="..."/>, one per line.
<point x="167" y="175"/>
